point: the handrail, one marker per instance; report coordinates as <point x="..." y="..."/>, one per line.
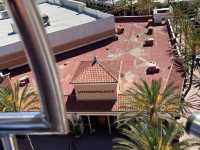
<point x="52" y="117"/>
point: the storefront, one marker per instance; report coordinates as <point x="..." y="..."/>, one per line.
<point x="98" y="124"/>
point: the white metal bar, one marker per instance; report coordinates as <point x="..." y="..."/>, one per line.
<point x="109" y="125"/>
<point x="193" y="124"/>
<point x="90" y="126"/>
<point x="41" y="60"/>
<point x="9" y="142"/>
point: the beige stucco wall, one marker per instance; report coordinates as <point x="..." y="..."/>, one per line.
<point x="96" y="91"/>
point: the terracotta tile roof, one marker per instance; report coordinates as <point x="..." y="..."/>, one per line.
<point x="121" y="104"/>
<point x="99" y="72"/>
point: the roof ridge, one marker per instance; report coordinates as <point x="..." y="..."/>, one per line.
<point x="107" y="71"/>
<point x="99" y="64"/>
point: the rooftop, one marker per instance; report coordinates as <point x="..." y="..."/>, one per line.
<point x="97" y="72"/>
<point x="134" y="60"/>
<point x="60" y="18"/>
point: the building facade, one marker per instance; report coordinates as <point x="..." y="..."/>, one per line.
<point x="71" y="25"/>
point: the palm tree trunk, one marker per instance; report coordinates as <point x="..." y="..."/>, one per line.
<point x="125" y="10"/>
<point x="191" y="77"/>
<point x="180" y="40"/>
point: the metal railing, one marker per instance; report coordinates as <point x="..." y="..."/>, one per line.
<point x="52" y="118"/>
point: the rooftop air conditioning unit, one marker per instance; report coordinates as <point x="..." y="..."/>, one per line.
<point x="23" y="81"/>
<point x="14" y="28"/>
<point x="81" y="8"/>
<point x="152" y="68"/>
<point x="4" y="14"/>
<point x="45" y="20"/>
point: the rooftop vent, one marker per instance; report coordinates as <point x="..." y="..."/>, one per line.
<point x="148" y="42"/>
<point x="94" y="61"/>
<point x="14" y="28"/>
<point x="23" y="81"/>
<point x="45" y="19"/>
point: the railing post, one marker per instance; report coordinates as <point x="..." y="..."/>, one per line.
<point x="9" y="142"/>
<point x="42" y="62"/>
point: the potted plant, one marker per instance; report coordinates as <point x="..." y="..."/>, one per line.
<point x="75" y="128"/>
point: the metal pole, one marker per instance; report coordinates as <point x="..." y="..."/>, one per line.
<point x="41" y="61"/>
<point x="30" y="142"/>
<point x="90" y="126"/>
<point x="109" y="126"/>
<point x="9" y="142"/>
<point x="40" y="57"/>
<point x="193" y="124"/>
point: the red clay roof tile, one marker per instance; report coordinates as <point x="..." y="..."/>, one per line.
<point x="99" y="72"/>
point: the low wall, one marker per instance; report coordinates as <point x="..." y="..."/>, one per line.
<point x="76" y="5"/>
<point x="18" y="58"/>
<point x="173" y="38"/>
<point x="132" y="18"/>
<point x="41" y="1"/>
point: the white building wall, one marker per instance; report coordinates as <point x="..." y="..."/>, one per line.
<point x="157" y="16"/>
<point x="106" y="91"/>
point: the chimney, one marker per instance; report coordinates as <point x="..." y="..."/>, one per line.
<point x="94" y="61"/>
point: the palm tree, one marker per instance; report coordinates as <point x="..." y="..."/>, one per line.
<point x="144" y="136"/>
<point x="151" y="101"/>
<point x="144" y="7"/>
<point x="155" y="101"/>
<point x="193" y="44"/>
<point x="124" y="4"/>
<point x="19" y="99"/>
<point x="190" y="34"/>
